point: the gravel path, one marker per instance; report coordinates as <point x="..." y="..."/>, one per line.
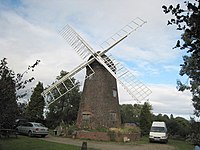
<point x="109" y="145"/>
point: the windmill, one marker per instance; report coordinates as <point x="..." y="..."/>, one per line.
<point x="99" y="105"/>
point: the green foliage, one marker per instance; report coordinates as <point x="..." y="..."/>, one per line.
<point x="130" y="113"/>
<point x="129" y="130"/>
<point x="161" y="117"/>
<point x="187" y="20"/>
<point x="8" y="103"/>
<point x="178" y="127"/>
<point x="11" y="89"/>
<point x="71" y="129"/>
<point x="66" y="108"/>
<point x="145" y="118"/>
<point x="35" y="108"/>
<point x="194" y="136"/>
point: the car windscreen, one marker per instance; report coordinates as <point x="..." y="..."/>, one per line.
<point x="38" y="125"/>
<point x="158" y="129"/>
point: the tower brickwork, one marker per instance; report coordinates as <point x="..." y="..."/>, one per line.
<point x="99" y="105"/>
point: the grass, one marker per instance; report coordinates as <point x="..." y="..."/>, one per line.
<point x="24" y="143"/>
<point x="181" y="145"/>
<point x="177" y="144"/>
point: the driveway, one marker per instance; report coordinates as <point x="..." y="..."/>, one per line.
<point x="109" y="145"/>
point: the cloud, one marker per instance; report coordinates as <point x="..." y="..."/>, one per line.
<point x="165" y="99"/>
<point x="169" y="68"/>
<point x="29" y="31"/>
<point x="23" y="43"/>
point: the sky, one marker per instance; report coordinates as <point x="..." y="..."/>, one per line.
<point x="29" y="30"/>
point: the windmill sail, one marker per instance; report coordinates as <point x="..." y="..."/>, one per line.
<point x="77" y="42"/>
<point x="126" y="78"/>
<point x="122" y="34"/>
<point x="64" y="85"/>
<point x="133" y="86"/>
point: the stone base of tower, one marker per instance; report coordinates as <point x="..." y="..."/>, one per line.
<point x="105" y="136"/>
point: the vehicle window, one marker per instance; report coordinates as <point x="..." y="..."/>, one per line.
<point x="38" y="125"/>
<point x="158" y="129"/>
<point x="30" y="125"/>
<point x="41" y="125"/>
<point x="25" y="124"/>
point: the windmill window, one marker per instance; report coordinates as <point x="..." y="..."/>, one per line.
<point x="114" y="93"/>
<point x="86" y="118"/>
<point x="113" y="117"/>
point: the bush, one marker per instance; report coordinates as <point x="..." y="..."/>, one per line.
<point x="129" y="130"/>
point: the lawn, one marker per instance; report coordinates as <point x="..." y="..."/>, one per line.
<point x="181" y="145"/>
<point x="24" y="143"/>
<point x="178" y="144"/>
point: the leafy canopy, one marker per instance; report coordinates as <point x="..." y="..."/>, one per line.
<point x="188" y="21"/>
<point x="35" y="108"/>
<point x="10" y="86"/>
<point x="65" y="109"/>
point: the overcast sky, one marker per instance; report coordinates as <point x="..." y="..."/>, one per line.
<point x="29" y="31"/>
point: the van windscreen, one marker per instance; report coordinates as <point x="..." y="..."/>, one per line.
<point x="158" y="129"/>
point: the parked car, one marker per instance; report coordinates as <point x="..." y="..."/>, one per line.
<point x="33" y="129"/>
<point x="19" y="122"/>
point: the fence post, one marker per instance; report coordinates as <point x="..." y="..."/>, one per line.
<point x="84" y="146"/>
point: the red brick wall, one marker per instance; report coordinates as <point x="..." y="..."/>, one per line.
<point x="93" y="135"/>
<point x="103" y="136"/>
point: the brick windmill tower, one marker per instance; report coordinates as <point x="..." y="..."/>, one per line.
<point x="99" y="106"/>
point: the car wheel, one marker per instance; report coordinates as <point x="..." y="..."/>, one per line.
<point x="17" y="131"/>
<point x="43" y="136"/>
<point x="29" y="133"/>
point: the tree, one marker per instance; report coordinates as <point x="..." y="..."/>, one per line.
<point x="178" y="127"/>
<point x="145" y="118"/>
<point x="10" y="86"/>
<point x="66" y="108"/>
<point x="188" y="21"/>
<point x="195" y="132"/>
<point x="22" y="107"/>
<point x="160" y="117"/>
<point x="130" y="113"/>
<point x="35" y="108"/>
<point x="171" y="116"/>
<point x="8" y="103"/>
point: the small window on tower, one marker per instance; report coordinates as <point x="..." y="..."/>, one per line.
<point x="86" y="117"/>
<point x="113" y="117"/>
<point x="114" y="93"/>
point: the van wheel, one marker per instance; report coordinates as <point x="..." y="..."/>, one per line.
<point x="30" y="134"/>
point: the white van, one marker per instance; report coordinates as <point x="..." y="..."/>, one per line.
<point x="158" y="132"/>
